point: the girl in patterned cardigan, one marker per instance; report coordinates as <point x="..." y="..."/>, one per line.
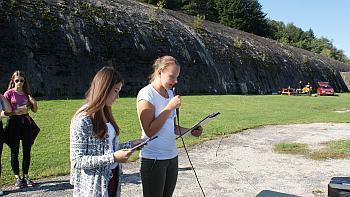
<point x="95" y="151"/>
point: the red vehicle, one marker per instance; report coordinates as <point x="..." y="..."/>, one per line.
<point x="324" y="89"/>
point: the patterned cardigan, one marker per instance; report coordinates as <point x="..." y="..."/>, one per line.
<point x="90" y="172"/>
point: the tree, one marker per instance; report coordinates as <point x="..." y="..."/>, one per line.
<point x="245" y="15"/>
<point x="276" y="28"/>
<point x="170" y="4"/>
<point x="292" y="33"/>
<point x="203" y="8"/>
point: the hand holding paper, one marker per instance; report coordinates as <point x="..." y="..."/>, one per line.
<point x="197" y="128"/>
<point x="197" y="132"/>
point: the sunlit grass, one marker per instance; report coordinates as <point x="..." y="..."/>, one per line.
<point x="50" y="153"/>
<point x="336" y="149"/>
<point x="292" y="148"/>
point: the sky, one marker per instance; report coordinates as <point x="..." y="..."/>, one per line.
<point x="327" y="18"/>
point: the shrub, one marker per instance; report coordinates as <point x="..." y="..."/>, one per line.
<point x="161" y="4"/>
<point x="198" y="22"/>
<point x="237" y="42"/>
<point x="152" y="15"/>
<point x="305" y="59"/>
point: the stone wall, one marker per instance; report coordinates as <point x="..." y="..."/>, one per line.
<point x="61" y="45"/>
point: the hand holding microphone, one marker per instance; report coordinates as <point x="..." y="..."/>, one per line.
<point x="175" y="102"/>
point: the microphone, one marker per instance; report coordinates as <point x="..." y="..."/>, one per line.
<point x="177" y="109"/>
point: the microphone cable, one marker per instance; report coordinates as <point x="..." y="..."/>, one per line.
<point x="217" y="150"/>
<point x="183" y="143"/>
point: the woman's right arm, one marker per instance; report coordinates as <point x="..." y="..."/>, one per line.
<point x="151" y="124"/>
<point x="6" y="105"/>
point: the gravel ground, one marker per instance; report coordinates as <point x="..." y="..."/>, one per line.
<point x="241" y="164"/>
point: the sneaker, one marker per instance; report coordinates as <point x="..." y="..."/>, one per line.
<point x="28" y="182"/>
<point x="19" y="184"/>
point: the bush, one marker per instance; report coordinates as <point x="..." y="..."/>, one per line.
<point x="238" y="42"/>
<point x="198" y="22"/>
<point x="152" y="15"/>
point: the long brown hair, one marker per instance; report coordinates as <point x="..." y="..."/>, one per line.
<point x="96" y="96"/>
<point x="26" y="87"/>
<point x="160" y="64"/>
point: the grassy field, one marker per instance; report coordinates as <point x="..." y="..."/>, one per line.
<point x="334" y="149"/>
<point x="50" y="154"/>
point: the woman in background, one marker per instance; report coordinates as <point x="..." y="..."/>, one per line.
<point x="20" y="125"/>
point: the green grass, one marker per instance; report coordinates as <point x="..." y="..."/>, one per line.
<point x="336" y="149"/>
<point x="50" y="153"/>
<point x="291" y="148"/>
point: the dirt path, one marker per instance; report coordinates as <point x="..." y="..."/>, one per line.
<point x="244" y="166"/>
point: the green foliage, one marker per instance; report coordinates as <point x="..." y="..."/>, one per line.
<point x="170" y="4"/>
<point x="305" y="59"/>
<point x="200" y="7"/>
<point x="90" y="11"/>
<point x="326" y="52"/>
<point x="339" y="146"/>
<point x="238" y="42"/>
<point x="198" y="22"/>
<point x="291" y="148"/>
<point x="245" y="15"/>
<point x="152" y="15"/>
<point x="161" y="4"/>
<point x="276" y="28"/>
<point x="292" y="35"/>
<point x="263" y="57"/>
<point x="50" y="21"/>
<point x="334" y="150"/>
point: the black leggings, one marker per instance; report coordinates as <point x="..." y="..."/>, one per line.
<point x="159" y="177"/>
<point x="22" y="132"/>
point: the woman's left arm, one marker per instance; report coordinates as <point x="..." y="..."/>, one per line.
<point x="34" y="105"/>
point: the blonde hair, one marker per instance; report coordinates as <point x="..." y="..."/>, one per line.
<point x="160" y="64"/>
<point x="96" y="96"/>
<point x="26" y="87"/>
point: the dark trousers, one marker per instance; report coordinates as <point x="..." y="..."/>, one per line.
<point x="24" y="135"/>
<point x="159" y="177"/>
<point x="113" y="182"/>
